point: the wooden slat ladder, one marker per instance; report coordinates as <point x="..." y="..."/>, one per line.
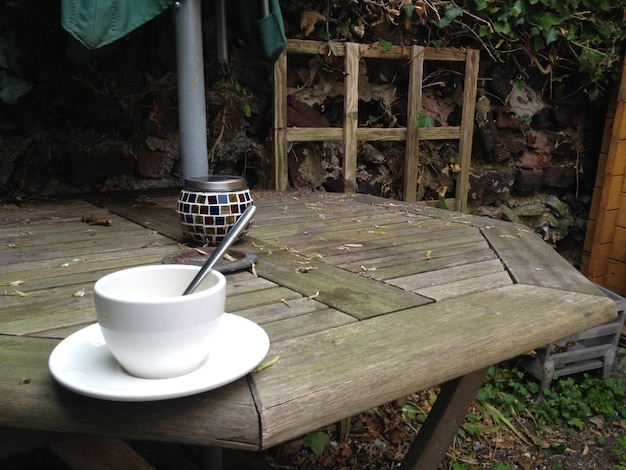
<point x="351" y="134"/>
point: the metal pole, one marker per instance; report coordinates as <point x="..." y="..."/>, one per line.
<point x="191" y="99"/>
<point x="220" y="23"/>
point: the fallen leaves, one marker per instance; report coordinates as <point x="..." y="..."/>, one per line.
<point x="311" y="297"/>
<point x="79" y="293"/>
<point x="14" y="285"/>
<point x="267" y="364"/>
<point x="308" y="20"/>
<point x="304" y="269"/>
<point x="91" y="220"/>
<point x="16" y="292"/>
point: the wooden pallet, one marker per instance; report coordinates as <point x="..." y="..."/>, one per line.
<point x="591" y="349"/>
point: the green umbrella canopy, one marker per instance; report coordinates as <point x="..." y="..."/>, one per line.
<point x="258" y="23"/>
<point x="96" y="23"/>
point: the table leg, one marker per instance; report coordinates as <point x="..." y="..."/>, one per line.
<point x="16" y="441"/>
<point x="211" y="458"/>
<point x="443" y="421"/>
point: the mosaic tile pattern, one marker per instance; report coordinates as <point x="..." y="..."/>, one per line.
<point x="206" y="217"/>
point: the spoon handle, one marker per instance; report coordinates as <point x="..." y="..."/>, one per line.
<point x="221" y="248"/>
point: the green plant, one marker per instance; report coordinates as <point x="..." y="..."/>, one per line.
<point x="570" y="43"/>
<point x="316" y="441"/>
<point x="424" y="121"/>
<point x="555" y="39"/>
<point x="620" y="452"/>
<point x="569" y="401"/>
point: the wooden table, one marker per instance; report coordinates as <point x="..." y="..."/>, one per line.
<point x="365" y="301"/>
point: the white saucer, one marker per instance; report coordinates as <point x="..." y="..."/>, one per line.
<point x="82" y="362"/>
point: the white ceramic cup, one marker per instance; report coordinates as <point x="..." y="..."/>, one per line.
<point x="150" y="327"/>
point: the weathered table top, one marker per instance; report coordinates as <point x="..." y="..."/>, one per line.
<point x="365" y="301"/>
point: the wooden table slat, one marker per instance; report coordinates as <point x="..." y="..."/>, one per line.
<point x="337" y="288"/>
<point x="447" y="340"/>
<point x="514" y="244"/>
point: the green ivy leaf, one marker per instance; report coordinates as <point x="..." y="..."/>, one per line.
<point x="481" y="5"/>
<point x="246" y="109"/>
<point x="316" y="441"/>
<point x="408" y="9"/>
<point x="323" y="35"/>
<point x="385" y="46"/>
<point x="483" y="31"/>
<point x="576" y="423"/>
<point x="517" y="8"/>
<point x="502" y="28"/>
<point x="424" y="121"/>
<point x="451" y="13"/>
<point x="550" y="36"/>
<point x="588" y="60"/>
<point x="547" y="21"/>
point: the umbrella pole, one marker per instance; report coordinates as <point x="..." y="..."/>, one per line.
<point x="191" y="98"/>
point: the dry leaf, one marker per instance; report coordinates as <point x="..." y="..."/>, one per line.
<point x="305" y="269"/>
<point x="91" y="220"/>
<point x="267" y="364"/>
<point x="16" y="292"/>
<point x="311" y="297"/>
<point x="308" y="19"/>
<point x="79" y="293"/>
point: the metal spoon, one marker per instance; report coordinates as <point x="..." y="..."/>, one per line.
<point x="220" y="249"/>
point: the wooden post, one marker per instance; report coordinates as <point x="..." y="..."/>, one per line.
<point x="411" y="158"/>
<point x="467" y="129"/>
<point x="350" y="116"/>
<point x="281" y="164"/>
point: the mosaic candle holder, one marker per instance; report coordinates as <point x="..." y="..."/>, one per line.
<point x="209" y="205"/>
